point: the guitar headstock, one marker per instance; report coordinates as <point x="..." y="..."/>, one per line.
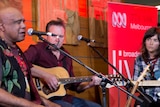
<point x="116" y="79"/>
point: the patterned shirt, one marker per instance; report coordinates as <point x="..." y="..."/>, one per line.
<point x="12" y="75"/>
<point x="153" y="74"/>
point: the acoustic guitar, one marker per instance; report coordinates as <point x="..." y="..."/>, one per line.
<point x="63" y="78"/>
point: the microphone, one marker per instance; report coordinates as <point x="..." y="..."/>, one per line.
<point x="33" y="32"/>
<point x="80" y="37"/>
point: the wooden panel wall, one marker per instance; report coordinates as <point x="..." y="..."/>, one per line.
<point x="85" y="54"/>
<point x="80" y="51"/>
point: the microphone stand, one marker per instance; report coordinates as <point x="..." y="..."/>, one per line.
<point x="129" y="83"/>
<point x="105" y="80"/>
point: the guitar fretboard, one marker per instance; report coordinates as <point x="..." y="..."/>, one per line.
<point x="74" y="80"/>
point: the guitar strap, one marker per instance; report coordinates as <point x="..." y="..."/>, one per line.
<point x="152" y="63"/>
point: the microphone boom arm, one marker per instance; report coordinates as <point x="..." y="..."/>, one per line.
<point x="125" y="79"/>
<point x="104" y="79"/>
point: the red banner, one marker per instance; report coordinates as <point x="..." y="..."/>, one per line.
<point x="126" y="26"/>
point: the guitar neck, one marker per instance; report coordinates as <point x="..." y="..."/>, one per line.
<point x="74" y="80"/>
<point x="145" y="83"/>
<point x="148" y="83"/>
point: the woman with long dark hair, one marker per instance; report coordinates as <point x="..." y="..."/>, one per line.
<point x="150" y="54"/>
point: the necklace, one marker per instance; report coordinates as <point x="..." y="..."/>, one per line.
<point x="152" y="63"/>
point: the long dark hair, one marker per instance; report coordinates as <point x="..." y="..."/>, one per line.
<point x="148" y="34"/>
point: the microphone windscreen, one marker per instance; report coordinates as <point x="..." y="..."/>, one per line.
<point x="30" y="31"/>
<point x="79" y="37"/>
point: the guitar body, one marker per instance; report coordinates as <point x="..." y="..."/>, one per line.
<point x="43" y="90"/>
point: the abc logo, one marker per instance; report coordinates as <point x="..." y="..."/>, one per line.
<point x="119" y="20"/>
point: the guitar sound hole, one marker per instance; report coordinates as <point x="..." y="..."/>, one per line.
<point x="47" y="91"/>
